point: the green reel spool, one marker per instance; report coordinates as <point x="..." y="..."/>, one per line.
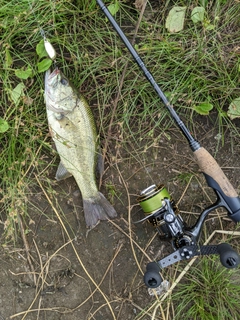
<point x="151" y="198"/>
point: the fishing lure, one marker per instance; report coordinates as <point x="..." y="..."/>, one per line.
<point x="48" y="46"/>
<point x="50" y="50"/>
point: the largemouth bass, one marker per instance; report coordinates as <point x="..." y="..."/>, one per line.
<point x="74" y="132"/>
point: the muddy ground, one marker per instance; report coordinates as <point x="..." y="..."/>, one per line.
<point x="58" y="271"/>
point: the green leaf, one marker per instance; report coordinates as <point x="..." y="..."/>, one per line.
<point x="175" y="19"/>
<point x="4" y="126"/>
<point x="8" y="58"/>
<point x="113" y="8"/>
<point x="234" y="109"/>
<point x="44" y="65"/>
<point x="203" y="108"/>
<point x="24" y="74"/>
<point x="197" y="14"/>
<point x="17" y="93"/>
<point x="40" y="49"/>
<point x="209" y="26"/>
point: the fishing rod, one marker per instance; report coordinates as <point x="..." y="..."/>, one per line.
<point x="160" y="209"/>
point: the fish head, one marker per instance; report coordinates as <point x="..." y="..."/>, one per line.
<point x="60" y="96"/>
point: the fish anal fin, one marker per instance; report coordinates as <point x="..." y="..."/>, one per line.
<point x="62" y="172"/>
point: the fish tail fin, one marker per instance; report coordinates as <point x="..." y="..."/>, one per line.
<point x="96" y="209"/>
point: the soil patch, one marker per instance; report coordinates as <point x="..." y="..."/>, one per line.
<point x="59" y="271"/>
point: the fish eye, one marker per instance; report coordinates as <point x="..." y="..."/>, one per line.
<point x="64" y="81"/>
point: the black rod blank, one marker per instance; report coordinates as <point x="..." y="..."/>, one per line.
<point x="192" y="142"/>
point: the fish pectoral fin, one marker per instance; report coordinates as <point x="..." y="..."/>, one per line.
<point x="62" y="172"/>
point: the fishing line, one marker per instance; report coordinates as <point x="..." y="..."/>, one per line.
<point x="48" y="46"/>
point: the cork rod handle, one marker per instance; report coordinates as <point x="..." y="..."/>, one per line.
<point x="210" y="167"/>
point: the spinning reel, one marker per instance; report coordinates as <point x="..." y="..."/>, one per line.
<point x="161" y="211"/>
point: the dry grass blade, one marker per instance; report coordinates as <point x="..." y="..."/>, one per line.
<point x="75" y="250"/>
<point x="195" y="67"/>
<point x="106" y="272"/>
<point x="116" y="100"/>
<point x="58" y="309"/>
<point x="44" y="272"/>
<point x="30" y="310"/>
<point x="130" y="238"/>
<point x="188" y="266"/>
<point x="27" y="249"/>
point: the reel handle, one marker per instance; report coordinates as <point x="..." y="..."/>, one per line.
<point x="228" y="257"/>
<point x="217" y="180"/>
<point x="152" y="278"/>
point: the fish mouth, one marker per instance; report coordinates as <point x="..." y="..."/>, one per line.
<point x="51" y="80"/>
<point x="55" y="72"/>
<point x="51" y="77"/>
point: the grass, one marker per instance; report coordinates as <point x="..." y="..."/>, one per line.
<point x="208" y="292"/>
<point x="197" y="65"/>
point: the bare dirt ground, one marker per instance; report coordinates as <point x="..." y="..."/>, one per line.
<point x="58" y="271"/>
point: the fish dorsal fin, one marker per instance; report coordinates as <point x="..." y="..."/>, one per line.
<point x="100" y="165"/>
<point x="62" y="172"/>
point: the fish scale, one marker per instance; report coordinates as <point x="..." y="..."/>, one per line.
<point x="74" y="133"/>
